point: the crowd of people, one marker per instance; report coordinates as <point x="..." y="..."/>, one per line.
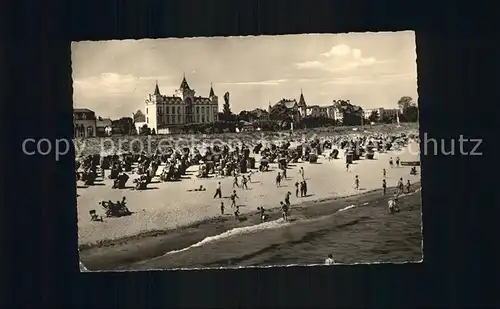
<point x="236" y="161"/>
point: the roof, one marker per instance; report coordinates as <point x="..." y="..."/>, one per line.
<point x="104" y="122"/>
<point x="82" y="110"/>
<point x="184" y="84"/>
<point x="287" y="103"/>
<point x="139" y="117"/>
<point x="302" y="101"/>
<point x="212" y="93"/>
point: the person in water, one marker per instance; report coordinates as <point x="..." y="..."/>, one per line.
<point x="408" y="186"/>
<point x="329" y="260"/>
<point x="284" y="211"/>
<point x="384" y="186"/>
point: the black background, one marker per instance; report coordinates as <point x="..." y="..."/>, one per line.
<point x="457" y="88"/>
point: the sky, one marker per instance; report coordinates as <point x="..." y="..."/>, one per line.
<point x="113" y="78"/>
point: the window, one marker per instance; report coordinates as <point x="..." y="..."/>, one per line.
<point x="202" y="118"/>
<point x="197" y="118"/>
<point x="168" y="110"/>
<point x="90" y="131"/>
<point x="173" y="119"/>
<point x="203" y="109"/>
<point x="178" y="109"/>
<point x="197" y="109"/>
<point x="173" y="110"/>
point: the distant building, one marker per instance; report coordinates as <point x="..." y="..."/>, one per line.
<point x="297" y="110"/>
<point x="390" y="113"/>
<point x="167" y="114"/>
<point x="139" y="120"/>
<point x="104" y="126"/>
<point x="260" y="114"/>
<point x="84" y="122"/>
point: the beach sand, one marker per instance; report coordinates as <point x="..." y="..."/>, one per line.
<point x="168" y="206"/>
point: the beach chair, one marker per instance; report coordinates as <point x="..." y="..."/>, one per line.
<point x="94" y="216"/>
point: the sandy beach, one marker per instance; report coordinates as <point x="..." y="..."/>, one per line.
<point x="167" y="205"/>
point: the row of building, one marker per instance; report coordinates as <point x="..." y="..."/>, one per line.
<point x="169" y="114"/>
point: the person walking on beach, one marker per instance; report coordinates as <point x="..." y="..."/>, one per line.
<point x="329" y="260"/>
<point x="297" y="189"/>
<point x="287" y="198"/>
<point x="408" y="186"/>
<point x="384" y="173"/>
<point x="284" y="211"/>
<point x="400" y="185"/>
<point x="356" y="182"/>
<point x="384" y="186"/>
<point x="284" y="173"/>
<point x="278" y="180"/>
<point x="397" y="162"/>
<point x="222" y="208"/>
<point x="244" y="182"/>
<point x="235" y="181"/>
<point x="391" y="164"/>
<point x="233" y="197"/>
<point x="218" y="191"/>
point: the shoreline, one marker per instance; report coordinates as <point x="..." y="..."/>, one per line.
<point x="118" y="253"/>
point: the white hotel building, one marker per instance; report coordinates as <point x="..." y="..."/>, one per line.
<point x="167" y="114"/>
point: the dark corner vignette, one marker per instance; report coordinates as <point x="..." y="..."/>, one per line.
<point x="292" y="161"/>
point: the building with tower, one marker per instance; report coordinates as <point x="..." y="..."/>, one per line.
<point x="168" y="114"/>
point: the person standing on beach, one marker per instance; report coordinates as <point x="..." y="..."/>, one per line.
<point x="329" y="260"/>
<point x="400" y="185"/>
<point x="384" y="186"/>
<point x="235" y="181"/>
<point x="284" y="211"/>
<point x="297" y="189"/>
<point x="222" y="208"/>
<point x="408" y="186"/>
<point x="233" y="197"/>
<point x="347" y="166"/>
<point x="397" y="162"/>
<point x="284" y="173"/>
<point x="384" y="173"/>
<point x="391" y="164"/>
<point x="301" y="172"/>
<point x="237" y="213"/>
<point x="305" y="188"/>
<point x="356" y="182"/>
<point x="218" y="191"/>
<point x="278" y="180"/>
<point x="287" y="198"/>
<point x="244" y="182"/>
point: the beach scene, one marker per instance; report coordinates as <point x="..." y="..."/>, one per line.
<point x="244" y="152"/>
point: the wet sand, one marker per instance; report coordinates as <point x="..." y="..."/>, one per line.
<point x="352" y="235"/>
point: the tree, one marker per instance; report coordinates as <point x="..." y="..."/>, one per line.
<point x="405" y="102"/>
<point x="374" y="116"/>
<point x="411" y="113"/>
<point x="226" y="108"/>
<point x="244" y="115"/>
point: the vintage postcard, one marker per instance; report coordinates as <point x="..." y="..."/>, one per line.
<point x="247" y="151"/>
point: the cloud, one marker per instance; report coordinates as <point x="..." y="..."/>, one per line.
<point x="270" y="82"/>
<point x="373" y="79"/>
<point x="338" y="58"/>
<point x="113" y="83"/>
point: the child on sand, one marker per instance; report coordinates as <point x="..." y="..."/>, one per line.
<point x="356" y="182"/>
<point x="233" y="197"/>
<point x="297" y="189"/>
<point x="397" y="162"/>
<point x="278" y="180"/>
<point x="408" y="186"/>
<point x="235" y="182"/>
<point x="237" y="213"/>
<point x="347" y="167"/>
<point x="222" y="208"/>
<point x="244" y="182"/>
<point x="301" y="172"/>
<point x="391" y="164"/>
